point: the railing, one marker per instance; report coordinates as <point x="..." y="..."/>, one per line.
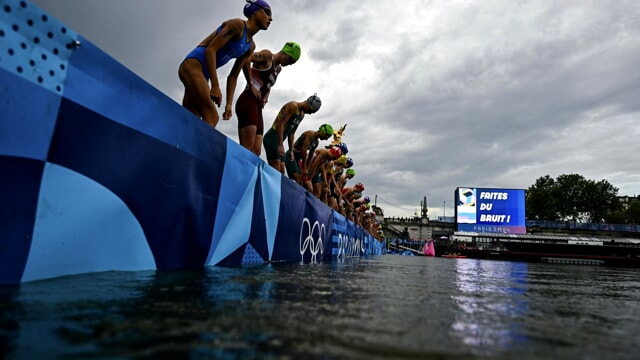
<point x="583" y="226"/>
<point x="411" y="245"/>
<point x="569" y="225"/>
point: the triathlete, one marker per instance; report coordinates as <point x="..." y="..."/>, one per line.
<point x="303" y="150"/>
<point x="261" y="75"/>
<point x="285" y="126"/>
<point x="233" y="39"/>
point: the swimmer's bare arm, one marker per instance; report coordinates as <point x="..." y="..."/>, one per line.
<point x="313" y="164"/>
<point x="290" y="139"/>
<point x="265" y="98"/>
<point x="232" y="80"/>
<point x="261" y="60"/>
<point x="323" y="171"/>
<point x="333" y="180"/>
<point x="284" y="115"/>
<point x="347" y="197"/>
<point x="306" y="154"/>
<point x="231" y="30"/>
<point x="246" y="72"/>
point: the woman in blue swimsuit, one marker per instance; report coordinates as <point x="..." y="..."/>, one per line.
<point x="233" y="39"/>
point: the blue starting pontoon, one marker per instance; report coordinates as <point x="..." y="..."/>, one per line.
<point x="101" y="171"/>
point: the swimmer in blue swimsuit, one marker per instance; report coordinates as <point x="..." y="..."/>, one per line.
<point x="232" y="40"/>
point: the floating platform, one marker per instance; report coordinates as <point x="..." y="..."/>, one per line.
<point x="558" y="249"/>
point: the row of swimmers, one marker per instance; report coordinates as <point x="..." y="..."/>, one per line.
<point x="323" y="171"/>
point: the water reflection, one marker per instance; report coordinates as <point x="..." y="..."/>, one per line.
<point x="180" y="315"/>
<point x="10" y="313"/>
<point x="385" y="307"/>
<point x="218" y="312"/>
<point x="490" y="304"/>
<point x="126" y="314"/>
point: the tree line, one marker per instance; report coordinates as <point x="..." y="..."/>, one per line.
<point x="574" y="198"/>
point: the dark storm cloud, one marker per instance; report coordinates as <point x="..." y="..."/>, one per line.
<point x="436" y="94"/>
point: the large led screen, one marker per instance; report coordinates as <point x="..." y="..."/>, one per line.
<point x="490" y="210"/>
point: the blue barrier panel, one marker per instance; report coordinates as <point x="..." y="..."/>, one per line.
<point x="347" y="238"/>
<point x="303" y="233"/>
<point x="19" y="184"/>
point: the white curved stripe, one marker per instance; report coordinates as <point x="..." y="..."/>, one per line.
<point x="83" y="227"/>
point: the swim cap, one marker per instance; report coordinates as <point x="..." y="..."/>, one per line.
<point x="351" y="172"/>
<point x="342" y="160"/>
<point x="326" y="129"/>
<point x="367" y="200"/>
<point x="359" y="186"/>
<point x="343" y="147"/>
<point x="315" y="102"/>
<point x="335" y="152"/>
<point x="349" y="162"/>
<point x="254" y="5"/>
<point x="292" y="49"/>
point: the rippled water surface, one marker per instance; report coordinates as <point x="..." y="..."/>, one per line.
<point x="386" y="307"/>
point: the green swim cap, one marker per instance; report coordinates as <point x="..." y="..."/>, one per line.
<point x="326" y="129"/>
<point x="351" y="172"/>
<point x="292" y="49"/>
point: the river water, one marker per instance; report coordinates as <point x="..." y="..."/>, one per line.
<point x="385" y="307"/>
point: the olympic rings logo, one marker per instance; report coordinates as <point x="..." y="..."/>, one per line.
<point x="313" y="240"/>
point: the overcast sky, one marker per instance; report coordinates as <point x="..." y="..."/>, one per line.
<point x="436" y="94"/>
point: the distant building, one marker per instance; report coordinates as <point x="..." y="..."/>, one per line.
<point x="378" y="211"/>
<point x="625" y="201"/>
